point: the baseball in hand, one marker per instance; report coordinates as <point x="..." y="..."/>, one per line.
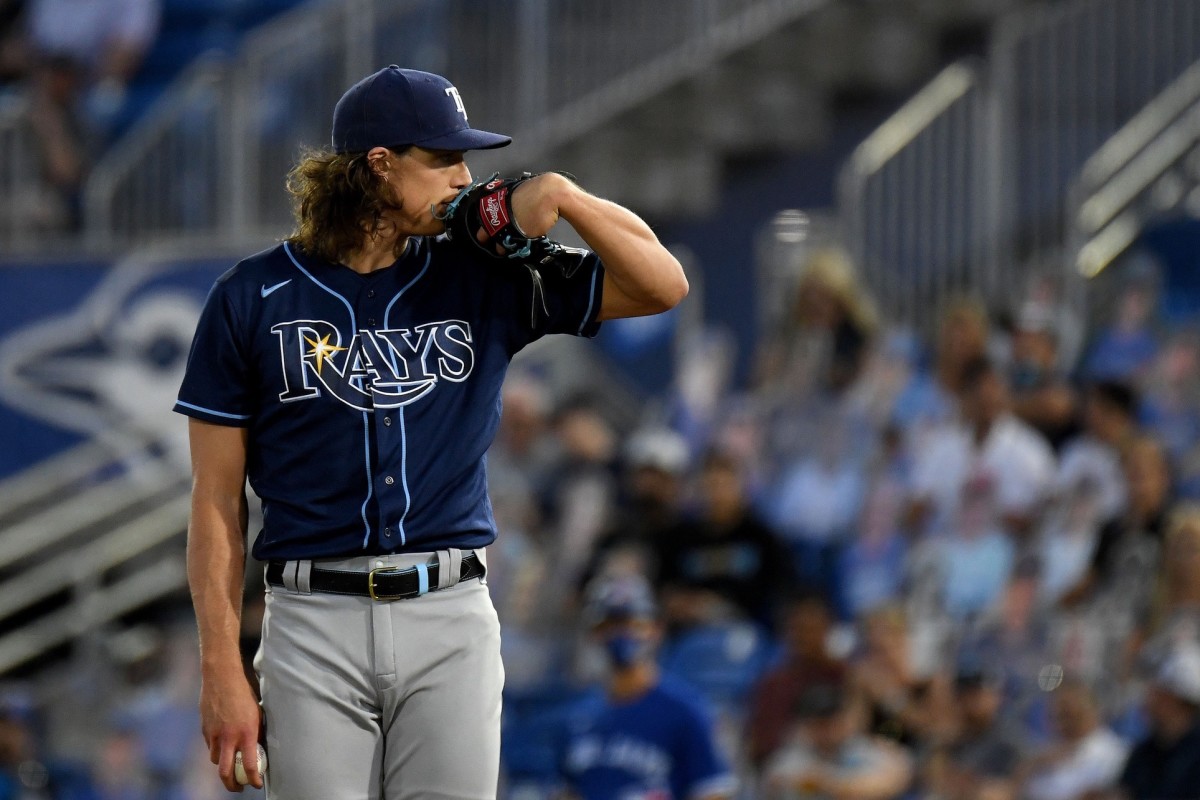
<point x="239" y="769"/>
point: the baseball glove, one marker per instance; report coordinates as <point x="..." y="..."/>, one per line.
<point x="487" y="204"/>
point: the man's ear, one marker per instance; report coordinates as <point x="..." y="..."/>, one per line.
<point x="377" y="160"/>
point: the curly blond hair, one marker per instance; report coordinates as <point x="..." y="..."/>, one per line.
<point x="337" y="201"/>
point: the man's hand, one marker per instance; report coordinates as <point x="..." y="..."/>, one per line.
<point x="535" y="202"/>
<point x="231" y="721"/>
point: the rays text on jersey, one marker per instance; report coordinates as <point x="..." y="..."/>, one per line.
<point x="375" y="368"/>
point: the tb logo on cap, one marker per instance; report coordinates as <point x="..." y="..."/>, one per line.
<point x="458" y="103"/>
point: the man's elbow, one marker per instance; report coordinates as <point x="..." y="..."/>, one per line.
<point x="672" y="293"/>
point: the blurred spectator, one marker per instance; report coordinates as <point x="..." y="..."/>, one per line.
<point x="1128" y="552"/>
<point x="161" y="709"/>
<point x="817" y="502"/>
<point x="26" y="771"/>
<point x="85" y="53"/>
<point x="521" y="457"/>
<point x="1166" y="763"/>
<point x="655" y="467"/>
<point x="828" y="756"/>
<point x="1067" y="538"/>
<point x="1175" y="615"/>
<point x="979" y="760"/>
<point x="1125" y="349"/>
<point x="1044" y="297"/>
<point x="582" y="488"/>
<point x="519" y="464"/>
<point x="890" y="368"/>
<point x="1171" y="409"/>
<point x="899" y="702"/>
<point x="931" y="398"/>
<point x="823" y="343"/>
<point x="806" y="661"/>
<point x="1085" y="758"/>
<point x="648" y="737"/>
<point x="1110" y="607"/>
<point x="1042" y="396"/>
<point x="1016" y="639"/>
<point x="871" y="571"/>
<point x="990" y="447"/>
<point x="977" y="555"/>
<point x="725" y="563"/>
<point x="120" y="769"/>
<point x="1110" y="422"/>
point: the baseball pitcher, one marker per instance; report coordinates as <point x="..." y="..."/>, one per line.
<point x="353" y="374"/>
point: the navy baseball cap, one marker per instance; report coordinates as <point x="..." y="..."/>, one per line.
<point x="398" y="107"/>
<point x="619" y="598"/>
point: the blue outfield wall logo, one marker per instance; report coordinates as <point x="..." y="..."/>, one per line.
<point x="95" y="352"/>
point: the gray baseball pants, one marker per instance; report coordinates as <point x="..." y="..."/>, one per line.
<point x="380" y="700"/>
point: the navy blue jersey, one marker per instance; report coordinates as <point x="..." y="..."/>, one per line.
<point x="372" y="399"/>
<point x="657" y="747"/>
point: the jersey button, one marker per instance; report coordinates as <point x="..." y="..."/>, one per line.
<point x="370" y="292"/>
<point x="387" y="420"/>
<point x="389" y="480"/>
<point x="387" y="533"/>
<point x="371" y="321"/>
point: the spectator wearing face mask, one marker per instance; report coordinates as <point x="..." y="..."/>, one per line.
<point x="646" y="737"/>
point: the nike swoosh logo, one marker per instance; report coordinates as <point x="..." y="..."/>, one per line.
<point x="267" y="290"/>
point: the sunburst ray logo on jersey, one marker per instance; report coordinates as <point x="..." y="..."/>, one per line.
<point x="322" y="349"/>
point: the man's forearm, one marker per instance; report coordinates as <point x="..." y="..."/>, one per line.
<point x="645" y="274"/>
<point x="216" y="558"/>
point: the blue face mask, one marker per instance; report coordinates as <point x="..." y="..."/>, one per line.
<point x="624" y="649"/>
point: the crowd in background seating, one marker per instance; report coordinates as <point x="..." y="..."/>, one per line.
<point x="964" y="567"/>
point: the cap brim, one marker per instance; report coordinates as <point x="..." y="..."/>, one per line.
<point x="466" y="139"/>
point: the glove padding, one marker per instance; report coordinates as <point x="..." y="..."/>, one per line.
<point x="487" y="204"/>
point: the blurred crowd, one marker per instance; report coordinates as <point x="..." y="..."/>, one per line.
<point x="71" y="63"/>
<point x="963" y="565"/>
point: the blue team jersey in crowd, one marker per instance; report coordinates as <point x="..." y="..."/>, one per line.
<point x="660" y="746"/>
<point x="372" y="399"/>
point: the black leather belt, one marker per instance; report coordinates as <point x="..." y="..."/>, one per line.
<point x="381" y="583"/>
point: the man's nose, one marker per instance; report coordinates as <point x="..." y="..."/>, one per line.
<point x="462" y="177"/>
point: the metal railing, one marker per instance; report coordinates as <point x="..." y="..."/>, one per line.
<point x="214" y="155"/>
<point x="166" y="174"/>
<point x="914" y="200"/>
<point x="1067" y="77"/>
<point x="969" y="184"/>
<point x="22" y="200"/>
<point x="71" y="537"/>
<point x="1145" y="169"/>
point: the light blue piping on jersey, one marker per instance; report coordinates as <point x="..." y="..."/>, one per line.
<point x="591" y="297"/>
<point x="366" y="422"/>
<point x="210" y="411"/>
<point x="400" y="411"/>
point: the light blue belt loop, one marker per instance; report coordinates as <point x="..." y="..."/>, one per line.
<point x="422" y="579"/>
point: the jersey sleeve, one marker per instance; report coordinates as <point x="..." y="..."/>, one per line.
<point x="215" y="386"/>
<point x="555" y="300"/>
